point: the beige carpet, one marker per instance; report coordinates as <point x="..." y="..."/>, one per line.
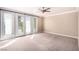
<point x="41" y="42"/>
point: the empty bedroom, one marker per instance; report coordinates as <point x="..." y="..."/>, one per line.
<point x="39" y="28"/>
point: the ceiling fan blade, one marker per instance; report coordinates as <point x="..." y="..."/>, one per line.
<point x="47" y="11"/>
<point x="47" y="8"/>
<point x="44" y="9"/>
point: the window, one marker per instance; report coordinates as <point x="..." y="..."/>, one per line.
<point x="7" y="25"/>
<point x="15" y="24"/>
<point x="33" y="25"/>
<point x="20" y="25"/>
<point x="28" y="24"/>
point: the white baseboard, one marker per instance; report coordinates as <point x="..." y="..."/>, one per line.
<point x="63" y="35"/>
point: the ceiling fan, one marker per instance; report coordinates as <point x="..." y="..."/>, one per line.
<point x="45" y="9"/>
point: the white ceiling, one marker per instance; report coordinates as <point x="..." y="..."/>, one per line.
<point x="36" y="11"/>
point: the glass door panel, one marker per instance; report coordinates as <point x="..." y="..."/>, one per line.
<point x="28" y="25"/>
<point x="33" y="24"/>
<point x="20" y="26"/>
<point x="7" y="25"/>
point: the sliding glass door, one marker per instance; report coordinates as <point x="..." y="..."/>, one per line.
<point x="20" y="25"/>
<point x="31" y="24"/>
<point x="15" y="24"/>
<point x="28" y="24"/>
<point x="7" y="25"/>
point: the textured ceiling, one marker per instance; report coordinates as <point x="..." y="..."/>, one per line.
<point x="36" y="11"/>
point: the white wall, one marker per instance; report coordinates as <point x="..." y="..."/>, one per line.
<point x="40" y="24"/>
<point x="65" y="24"/>
<point x="78" y="29"/>
<point x="78" y="25"/>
